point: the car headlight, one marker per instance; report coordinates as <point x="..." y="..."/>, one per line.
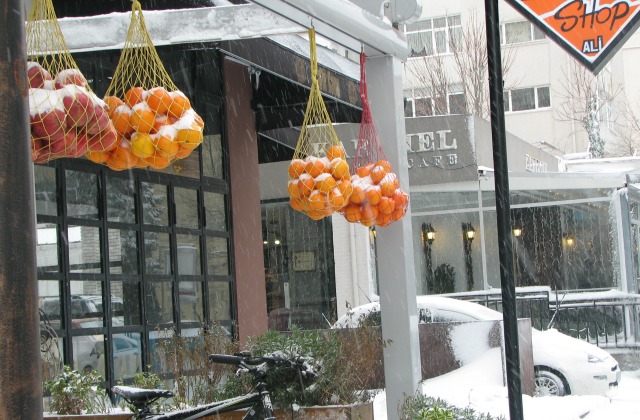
<point x="594" y="359"/>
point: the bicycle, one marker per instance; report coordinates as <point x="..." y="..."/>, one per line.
<point x="258" y="400"/>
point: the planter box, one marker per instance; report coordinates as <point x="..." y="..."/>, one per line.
<point x="339" y="412"/>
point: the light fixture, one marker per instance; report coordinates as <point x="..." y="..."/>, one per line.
<point x="428" y="233"/>
<point x="277" y="241"/>
<point x="570" y="241"/>
<point x="468" y="231"/>
<point x="517" y="232"/>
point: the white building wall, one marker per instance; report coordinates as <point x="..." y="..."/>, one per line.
<point x="542" y="63"/>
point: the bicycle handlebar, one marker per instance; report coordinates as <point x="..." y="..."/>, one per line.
<point x="246" y="361"/>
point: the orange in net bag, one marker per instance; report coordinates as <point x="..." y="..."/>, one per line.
<point x="67" y="119"/>
<point x="319" y="177"/>
<point x="377" y="199"/>
<point x="154" y="120"/>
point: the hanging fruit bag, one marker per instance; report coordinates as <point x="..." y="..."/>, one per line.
<point x="66" y="118"/>
<point x="377" y="198"/>
<point x="319" y="178"/>
<point x="153" y="118"/>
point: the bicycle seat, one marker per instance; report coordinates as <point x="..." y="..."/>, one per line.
<point x="139" y="396"/>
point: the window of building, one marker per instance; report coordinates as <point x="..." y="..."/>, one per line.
<point x="417" y="105"/>
<point x="526" y="99"/>
<point x="299" y="267"/>
<point x="518" y="32"/>
<point x="121" y="255"/>
<point x="433" y="36"/>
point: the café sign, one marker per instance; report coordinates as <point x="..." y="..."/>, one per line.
<point x="590" y="30"/>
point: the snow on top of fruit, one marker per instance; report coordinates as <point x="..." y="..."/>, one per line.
<point x="365" y="182"/>
<point x="175" y="93"/>
<point x="69" y="72"/>
<point x="42" y="101"/>
<point x="72" y="90"/>
<point x="186" y="121"/>
<point x="140" y="105"/>
<point x="390" y="176"/>
<point x="168" y="131"/>
<point x="322" y="177"/>
<point x="122" y="109"/>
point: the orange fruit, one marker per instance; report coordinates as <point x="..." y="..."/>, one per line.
<point x="198" y="120"/>
<point x="368" y="222"/>
<point x="142" y="145"/>
<point x="314" y="166"/>
<point x="167" y="146"/>
<point x="292" y="187"/>
<point x="336" y="199"/>
<point x="352" y="213"/>
<point x="385" y="165"/>
<point x="387" y="187"/>
<point x="334" y="152"/>
<point x="325" y="183"/>
<point x="158" y="162"/>
<point x="316" y="214"/>
<point x="190" y="138"/>
<point x="179" y="104"/>
<point x="295" y="204"/>
<point x="373" y="195"/>
<point x="398" y="213"/>
<point x="365" y="170"/>
<point x="306" y="184"/>
<point x="142" y="119"/>
<point x="161" y="121"/>
<point x="182" y="153"/>
<point x="386" y="205"/>
<point x="377" y="174"/>
<point x="318" y="200"/>
<point x="296" y="168"/>
<point x="369" y="212"/>
<point x="158" y="100"/>
<point x="345" y="187"/>
<point x="383" y="219"/>
<point x="339" y="169"/>
<point x="97" y="156"/>
<point x="401" y="198"/>
<point x="120" y="119"/>
<point x="133" y="96"/>
<point x="113" y="102"/>
<point x="358" y="195"/>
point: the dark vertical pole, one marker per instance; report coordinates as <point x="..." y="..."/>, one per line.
<point x="21" y="391"/>
<point x="505" y="249"/>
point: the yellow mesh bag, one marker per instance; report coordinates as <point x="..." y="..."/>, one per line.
<point x="67" y="118"/>
<point x="319" y="178"/>
<point x="153" y="118"/>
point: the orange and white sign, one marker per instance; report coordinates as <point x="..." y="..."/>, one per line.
<point x="590" y="30"/>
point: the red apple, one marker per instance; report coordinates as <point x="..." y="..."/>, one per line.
<point x="80" y="148"/>
<point x="104" y="141"/>
<point x="37" y="75"/>
<point x="77" y="106"/>
<point x="48" y="125"/>
<point x="70" y="77"/>
<point x="99" y="122"/>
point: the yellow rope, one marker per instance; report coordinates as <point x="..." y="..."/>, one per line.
<point x="317" y="133"/>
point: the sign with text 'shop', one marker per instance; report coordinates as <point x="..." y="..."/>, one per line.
<point x="590" y="30"/>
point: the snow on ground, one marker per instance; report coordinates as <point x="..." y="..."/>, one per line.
<point x="479" y="386"/>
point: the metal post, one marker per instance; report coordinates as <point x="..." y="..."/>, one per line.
<point x="505" y="250"/>
<point x="396" y="270"/>
<point x="21" y="396"/>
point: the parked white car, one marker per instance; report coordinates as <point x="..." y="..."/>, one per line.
<point x="563" y="365"/>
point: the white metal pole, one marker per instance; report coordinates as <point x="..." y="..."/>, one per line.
<point x="394" y="246"/>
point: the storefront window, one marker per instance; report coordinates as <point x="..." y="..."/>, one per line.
<point x="84" y="249"/>
<point x="82" y="195"/>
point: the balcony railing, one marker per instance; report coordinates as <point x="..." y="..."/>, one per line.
<point x="604" y="317"/>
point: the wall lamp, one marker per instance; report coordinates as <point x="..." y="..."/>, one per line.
<point x="517" y="232"/>
<point x="468" y="231"/>
<point x="428" y="233"/>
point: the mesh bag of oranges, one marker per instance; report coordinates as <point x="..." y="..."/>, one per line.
<point x="66" y="118"/>
<point x="319" y="177"/>
<point x="377" y="198"/>
<point x="152" y="117"/>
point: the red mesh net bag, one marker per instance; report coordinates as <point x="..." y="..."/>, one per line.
<point x="377" y="199"/>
